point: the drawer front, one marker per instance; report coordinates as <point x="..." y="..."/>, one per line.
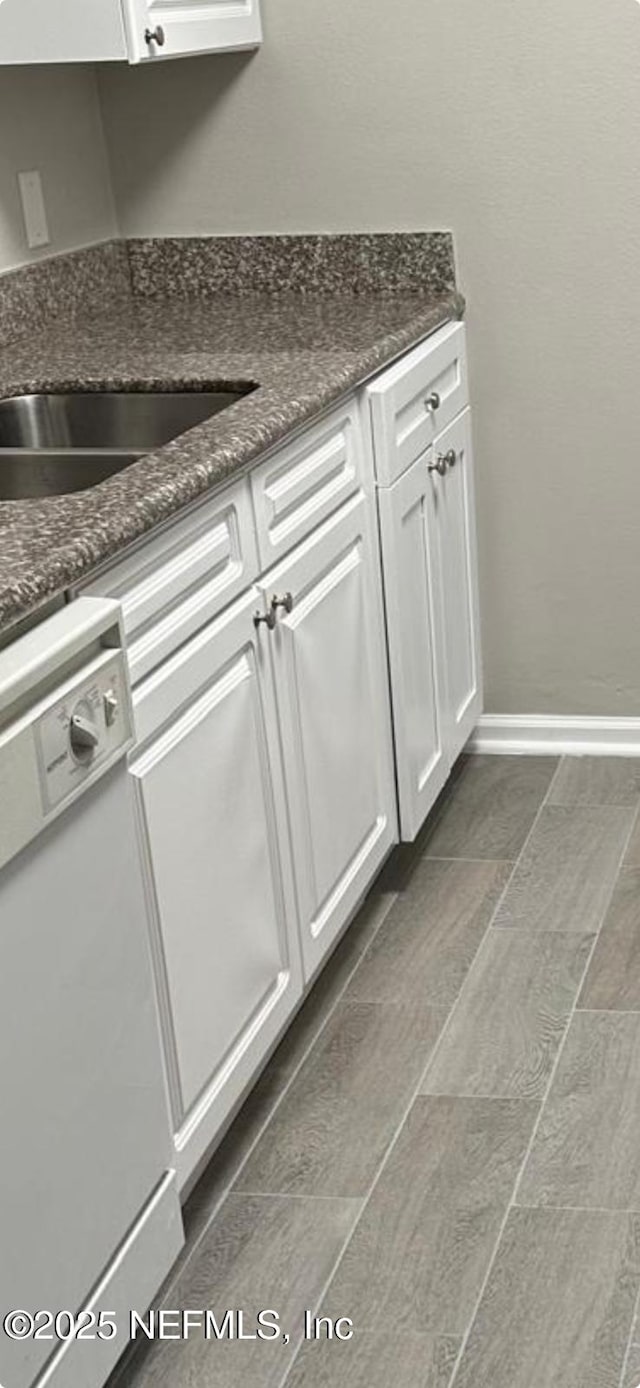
<point x="171" y="585"/>
<point x="305" y="481"/>
<point x="416" y="399"/>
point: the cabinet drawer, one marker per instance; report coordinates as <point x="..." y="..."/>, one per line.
<point x="402" y="401"/>
<point x="171" y="585"/>
<point x="305" y="481"/>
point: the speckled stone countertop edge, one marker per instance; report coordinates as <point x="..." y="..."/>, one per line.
<point x="99" y="537"/>
<point x="313" y="319"/>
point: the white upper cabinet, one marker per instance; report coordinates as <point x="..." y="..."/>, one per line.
<point x="174" y="28"/>
<point x="134" y="31"/>
<point x="61" y="31"/>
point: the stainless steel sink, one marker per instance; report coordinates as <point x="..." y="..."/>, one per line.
<point x="53" y="444"/>
<point x="26" y="474"/>
<point x="136" y="421"/>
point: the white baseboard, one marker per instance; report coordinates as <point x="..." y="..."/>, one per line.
<point x="527" y="734"/>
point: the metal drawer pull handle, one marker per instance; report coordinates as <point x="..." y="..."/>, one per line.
<point x="286" y="602"/>
<point x="433" y="401"/>
<point x="451" y="457"/>
<point x="269" y="619"/>
<point x="155" y="35"/>
<point x="439" y="466"/>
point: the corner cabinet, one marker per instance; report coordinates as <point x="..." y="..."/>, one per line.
<point x="134" y="31"/>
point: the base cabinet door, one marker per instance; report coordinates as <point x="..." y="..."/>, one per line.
<point x="333" y="705"/>
<point x="459" y="581"/>
<point x="213" y="822"/>
<point x="411" y="564"/>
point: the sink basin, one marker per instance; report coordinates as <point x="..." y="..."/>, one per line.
<point x="26" y="474"/>
<point x="136" y="421"/>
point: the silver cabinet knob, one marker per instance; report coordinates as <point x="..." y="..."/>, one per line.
<point x="155" y="36"/>
<point x="450" y="457"/>
<point x="269" y="619"/>
<point x="286" y="601"/>
<point x="433" y="401"/>
<point x="439" y="466"/>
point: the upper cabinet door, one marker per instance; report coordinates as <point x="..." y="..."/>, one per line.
<point x="173" y="28"/>
<point x="61" y="31"/>
<point x="457" y="544"/>
<point x="333" y="703"/>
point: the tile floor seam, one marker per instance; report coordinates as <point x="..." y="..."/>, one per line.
<point x="490" y="926"/>
<point x="442" y="858"/>
<point x="294" y="1195"/>
<point x="622" y="867"/>
<point x="441" y="811"/>
<point x="416" y="1094"/>
<point x="630" y="1342"/>
<point x="323" y="1291"/>
<point x="606" y="1011"/>
<point x="513" y="1201"/>
<point x="594" y="805"/>
<point x="393" y="896"/>
<point x="636" y="1309"/>
<point x="581" y="1209"/>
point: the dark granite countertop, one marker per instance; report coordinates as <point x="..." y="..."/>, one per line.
<point x="303" y="352"/>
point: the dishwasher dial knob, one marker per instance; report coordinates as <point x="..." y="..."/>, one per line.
<point x="84" y="737"/>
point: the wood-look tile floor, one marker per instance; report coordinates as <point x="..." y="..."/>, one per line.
<point x="446" y="1145"/>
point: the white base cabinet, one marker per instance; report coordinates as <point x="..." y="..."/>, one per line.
<point x="134" y="31"/>
<point x="427" y="525"/>
<point x="262" y="675"/>
<point x="264" y="774"/>
<point x="331" y="687"/>
<point x="214" y="825"/>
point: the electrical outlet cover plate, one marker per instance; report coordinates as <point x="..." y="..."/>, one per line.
<point x="35" y="217"/>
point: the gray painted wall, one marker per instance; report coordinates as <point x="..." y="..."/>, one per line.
<point x="50" y="120"/>
<point x="517" y="125"/>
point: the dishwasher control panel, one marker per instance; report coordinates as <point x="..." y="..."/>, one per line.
<point x="82" y="730"/>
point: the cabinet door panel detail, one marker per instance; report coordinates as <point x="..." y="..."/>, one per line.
<point x="306" y="481"/>
<point x="459" y="583"/>
<point x="415" y="638"/>
<point x="332" y="699"/>
<point x="212" y="830"/>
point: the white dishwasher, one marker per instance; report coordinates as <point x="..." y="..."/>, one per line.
<point x="89" y="1213"/>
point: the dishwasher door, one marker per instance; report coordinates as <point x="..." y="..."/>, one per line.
<point x="84" y="1137"/>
